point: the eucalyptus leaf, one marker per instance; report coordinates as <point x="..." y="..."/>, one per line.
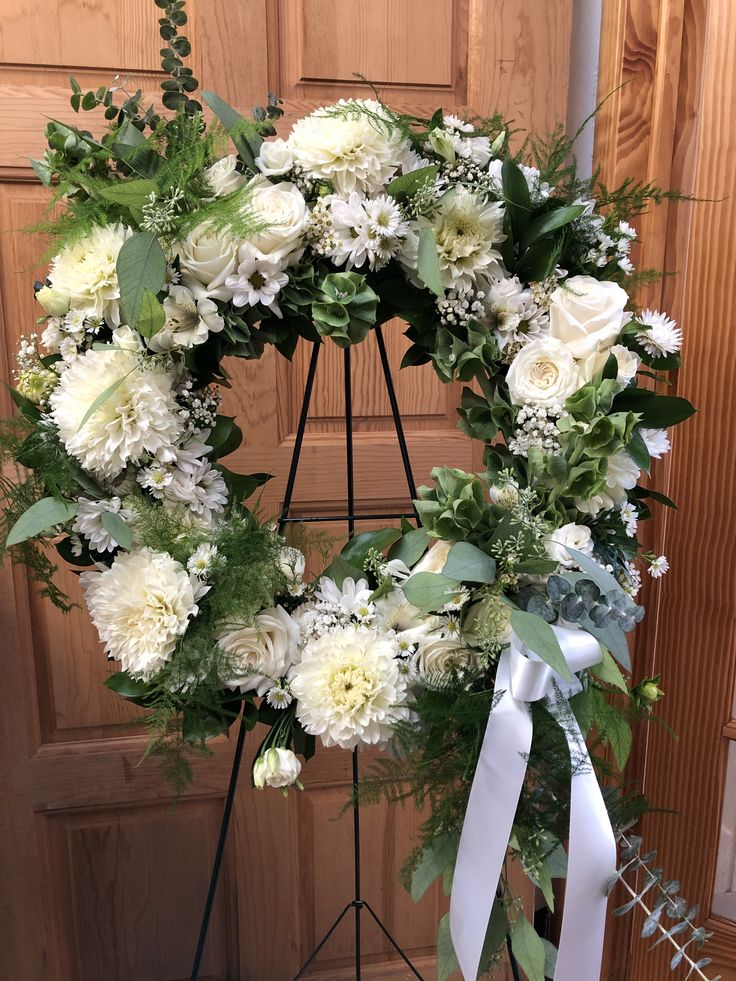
<point x="467" y="563"/>
<point x="141" y="266"/>
<point x="603" y="579"/>
<point x="430" y="591"/>
<point x="439" y="854"/>
<point x="117" y="529"/>
<point x="101" y="399"/>
<point x="539" y="637"/>
<point x="40" y="517"/>
<point x="428" y="263"/>
<point x="151" y="317"/>
<point x="410" y="547"/>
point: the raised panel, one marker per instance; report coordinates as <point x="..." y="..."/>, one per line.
<point x="125" y="899"/>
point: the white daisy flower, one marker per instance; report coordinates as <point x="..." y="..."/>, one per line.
<point x="661" y="335"/>
<point x="256" y="280"/>
<point x="657" y="442"/>
<point x="279" y="697"/>
<point x="629" y="517"/>
<point x="155" y="479"/>
<point x="657" y="567"/>
<point x="202" y="559"/>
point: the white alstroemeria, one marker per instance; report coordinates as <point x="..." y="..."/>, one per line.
<point x="256" y="280"/>
<point x="88" y="521"/>
<point x="659" y="335"/>
<point x="657" y="442"/>
<point x="190" y="319"/>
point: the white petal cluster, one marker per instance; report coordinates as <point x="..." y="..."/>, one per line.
<point x="88" y="521"/>
<point x="137" y="415"/>
<point x="352" y="145"/>
<point x="141" y="606"/>
<point x="349" y="687"/>
<point x="86" y="273"/>
<point x="365" y="230"/>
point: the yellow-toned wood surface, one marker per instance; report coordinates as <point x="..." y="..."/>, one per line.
<point x="103" y="876"/>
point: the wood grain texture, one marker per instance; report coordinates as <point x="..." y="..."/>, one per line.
<point x="104" y="877"/>
<point x="673" y="124"/>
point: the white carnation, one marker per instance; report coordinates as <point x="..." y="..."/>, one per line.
<point x="137" y="418"/>
<point x="141" y="605"/>
<point x="350" y="145"/>
<point x="86" y="272"/>
<point x="349" y="687"/>
<point x="262" y="653"/>
<point x="88" y="522"/>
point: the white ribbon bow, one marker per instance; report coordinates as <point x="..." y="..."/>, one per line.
<point x="522" y="678"/>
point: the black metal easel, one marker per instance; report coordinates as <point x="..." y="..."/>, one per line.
<point x="358" y="904"/>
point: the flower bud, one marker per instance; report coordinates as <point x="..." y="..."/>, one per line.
<point x="37" y="383"/>
<point x="54" y="302"/>
<point x="647" y="692"/>
<point x="277" y="768"/>
<point x="442" y="144"/>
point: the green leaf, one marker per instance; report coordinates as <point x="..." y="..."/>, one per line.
<point x="225" y="437"/>
<point x="130" y="193"/>
<point x="122" y="684"/>
<point x="620" y="737"/>
<point x="407" y="185"/>
<point x="656" y="411"/>
<point x="151" y="317"/>
<point x="551" y="222"/>
<point x="643" y="492"/>
<point x="117" y="529"/>
<point x="439" y="854"/>
<point x="539" y="637"/>
<point x="528" y="948"/>
<point x="244" y="135"/>
<point x="516" y="195"/>
<point x="446" y="960"/>
<point x="356" y="550"/>
<point x="430" y="591"/>
<point x="102" y="398"/>
<point x="242" y="485"/>
<point x="637" y="450"/>
<point x="26" y="408"/>
<point x="467" y="563"/>
<point x="428" y="263"/>
<point x="410" y="547"/>
<point x="339" y="570"/>
<point x="609" y="672"/>
<point x="498" y="926"/>
<point x="40" y="517"/>
<point x="141" y="266"/>
<point x="550" y="958"/>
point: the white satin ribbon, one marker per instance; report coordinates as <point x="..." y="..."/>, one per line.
<point x="522" y="678"/>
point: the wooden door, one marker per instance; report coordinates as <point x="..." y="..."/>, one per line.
<point x="103" y="876"/>
<point x="674" y="123"/>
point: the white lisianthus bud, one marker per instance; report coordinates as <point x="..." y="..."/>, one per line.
<point x="277" y="768"/>
<point x="628" y="363"/>
<point x="442" y="144"/>
<point x="223" y="176"/>
<point x="54" y="302"/>
<point x="275" y="158"/>
<point x="576" y="536"/>
<point x="434" y="560"/>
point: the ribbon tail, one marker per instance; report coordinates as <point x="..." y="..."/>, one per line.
<point x="591" y="863"/>
<point x="489" y="819"/>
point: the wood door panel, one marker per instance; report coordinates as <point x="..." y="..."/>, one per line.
<point x="105" y="876"/>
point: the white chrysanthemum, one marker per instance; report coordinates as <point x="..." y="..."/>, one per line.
<point x="349" y="687"/>
<point x="365" y="230"/>
<point x="661" y="335"/>
<point x="467" y="231"/>
<point x="629" y="517"/>
<point x="349" y="144"/>
<point x="202" y="560"/>
<point x="256" y="280"/>
<point x="657" y="442"/>
<point x="139" y="417"/>
<point x="353" y="597"/>
<point x="88" y="522"/>
<point x="194" y="481"/>
<point x="657" y="567"/>
<point x="86" y="272"/>
<point x="513" y="313"/>
<point x="141" y="605"/>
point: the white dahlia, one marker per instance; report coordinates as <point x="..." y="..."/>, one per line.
<point x="141" y="605"/>
<point x="467" y="231"/>
<point x="350" y="688"/>
<point x="138" y="417"/>
<point x="351" y="144"/>
<point x="86" y="272"/>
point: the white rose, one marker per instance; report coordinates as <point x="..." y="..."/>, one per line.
<point x="587" y="315"/>
<point x="54" y="302"/>
<point x="572" y="535"/>
<point x="223" y="177"/>
<point x="283" y="208"/>
<point x="276" y="768"/>
<point x="275" y="158"/>
<point x="434" y="560"/>
<point x="207" y="258"/>
<point x="543" y="372"/>
<point x="438" y="655"/>
<point x="261" y="653"/>
<point x="628" y="363"/>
